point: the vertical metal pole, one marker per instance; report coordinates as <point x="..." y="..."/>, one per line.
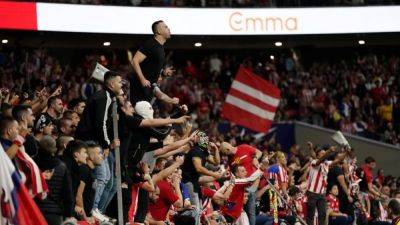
<point x="117" y="163"/>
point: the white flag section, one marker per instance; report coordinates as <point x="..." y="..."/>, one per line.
<point x="267" y="99"/>
<point x="250" y="107"/>
<point x="251" y="101"/>
<point x="99" y="71"/>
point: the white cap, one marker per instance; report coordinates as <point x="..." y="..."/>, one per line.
<point x="144" y="109"/>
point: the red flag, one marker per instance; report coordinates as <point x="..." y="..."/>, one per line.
<point x="251" y="101"/>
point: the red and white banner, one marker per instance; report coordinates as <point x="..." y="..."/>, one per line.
<point x="251" y="101"/>
<point x="197" y="21"/>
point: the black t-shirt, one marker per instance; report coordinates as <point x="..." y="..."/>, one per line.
<point x="151" y="69"/>
<point x="31" y="146"/>
<point x="334" y="172"/>
<point x="189" y="173"/>
<point x="54" y="121"/>
<point x="85" y="175"/>
<point x="155" y="59"/>
<point x="136" y="144"/>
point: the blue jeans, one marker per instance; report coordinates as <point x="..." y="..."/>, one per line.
<point x="111" y="186"/>
<point x="340" y="220"/>
<point x="264" y="220"/>
<point x="102" y="176"/>
<point x="250" y="207"/>
<point x="194" y="197"/>
<point x="99" y="186"/>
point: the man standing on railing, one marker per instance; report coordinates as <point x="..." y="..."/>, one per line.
<point x="149" y="65"/>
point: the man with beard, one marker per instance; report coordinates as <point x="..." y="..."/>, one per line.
<point x="54" y="109"/>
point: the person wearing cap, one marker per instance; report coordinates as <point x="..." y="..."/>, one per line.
<point x="59" y="202"/>
<point x="44" y="126"/>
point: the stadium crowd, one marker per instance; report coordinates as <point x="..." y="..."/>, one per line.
<point x="177" y="167"/>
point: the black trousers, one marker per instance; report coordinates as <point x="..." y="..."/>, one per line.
<point x="53" y="219"/>
<point x="316" y="201"/>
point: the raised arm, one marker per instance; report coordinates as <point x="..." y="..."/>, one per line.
<point x="169" y="170"/>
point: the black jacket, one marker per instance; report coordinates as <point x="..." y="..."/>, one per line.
<point x="96" y="121"/>
<point x="60" y="199"/>
<point x="73" y="170"/>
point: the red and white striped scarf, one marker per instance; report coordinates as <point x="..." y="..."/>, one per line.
<point x="31" y="176"/>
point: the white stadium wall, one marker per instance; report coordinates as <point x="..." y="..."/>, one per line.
<point x="387" y="156"/>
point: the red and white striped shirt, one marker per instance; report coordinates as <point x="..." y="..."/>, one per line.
<point x="317" y="177"/>
<point x="300" y="205"/>
<point x="278" y="173"/>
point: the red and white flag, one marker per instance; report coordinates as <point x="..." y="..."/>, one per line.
<point x="251" y="101"/>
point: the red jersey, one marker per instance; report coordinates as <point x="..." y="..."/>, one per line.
<point x="244" y="156"/>
<point x="367" y="173"/>
<point x="234" y="205"/>
<point x="159" y="210"/>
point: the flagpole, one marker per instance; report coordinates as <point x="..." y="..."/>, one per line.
<point x="117" y="163"/>
<point x="293" y="209"/>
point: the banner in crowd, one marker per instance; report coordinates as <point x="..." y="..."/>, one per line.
<point x="198" y="21"/>
<point x="251" y="101"/>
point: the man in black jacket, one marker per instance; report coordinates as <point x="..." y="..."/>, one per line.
<point x="96" y="121"/>
<point x="96" y="124"/>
